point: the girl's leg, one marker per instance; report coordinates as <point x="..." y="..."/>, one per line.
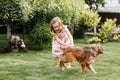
<point x="57" y="61"/>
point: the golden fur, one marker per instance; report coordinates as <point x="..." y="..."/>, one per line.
<point x="85" y="56"/>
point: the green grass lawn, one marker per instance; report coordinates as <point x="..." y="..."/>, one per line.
<point x="40" y="65"/>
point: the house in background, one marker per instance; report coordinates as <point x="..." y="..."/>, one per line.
<point x="110" y="10"/>
<point x="111" y="6"/>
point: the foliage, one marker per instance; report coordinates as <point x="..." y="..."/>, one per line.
<point x="10" y="11"/>
<point x="40" y="36"/>
<point x="105" y="33"/>
<point x="94" y="40"/>
<point x="67" y="10"/>
<point x="94" y="4"/>
<point x="27" y="9"/>
<point x="15" y="13"/>
<point x="17" y="10"/>
<point x="87" y="20"/>
<point x="43" y="11"/>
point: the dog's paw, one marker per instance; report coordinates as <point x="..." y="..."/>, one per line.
<point x="95" y="72"/>
<point x="62" y="68"/>
<point x="67" y="65"/>
<point x="57" y="65"/>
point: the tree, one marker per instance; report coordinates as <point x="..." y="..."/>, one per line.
<point x="10" y="13"/>
<point x="67" y="10"/>
<point x="94" y="4"/>
<point x="15" y="12"/>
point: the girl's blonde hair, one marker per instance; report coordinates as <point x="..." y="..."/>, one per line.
<point x="53" y="21"/>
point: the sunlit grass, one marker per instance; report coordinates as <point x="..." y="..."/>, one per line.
<point x="40" y="65"/>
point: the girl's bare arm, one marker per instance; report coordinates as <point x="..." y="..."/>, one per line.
<point x="69" y="36"/>
<point x="59" y="41"/>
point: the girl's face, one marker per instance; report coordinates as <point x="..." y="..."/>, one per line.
<point x="57" y="27"/>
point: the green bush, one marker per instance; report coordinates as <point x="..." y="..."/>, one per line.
<point x="40" y="36"/>
<point x="94" y="40"/>
<point x="87" y="20"/>
<point x="67" y="10"/>
<point x="105" y="33"/>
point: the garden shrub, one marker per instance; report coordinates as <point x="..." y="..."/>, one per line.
<point x="67" y="10"/>
<point x="105" y="33"/>
<point x="40" y="37"/>
<point x="88" y="19"/>
<point x="94" y="40"/>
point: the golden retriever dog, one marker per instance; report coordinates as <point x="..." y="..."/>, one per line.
<point x="85" y="56"/>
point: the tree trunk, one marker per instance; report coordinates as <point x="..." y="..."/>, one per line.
<point x="8" y="31"/>
<point x="95" y="31"/>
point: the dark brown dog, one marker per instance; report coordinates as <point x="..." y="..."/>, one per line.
<point x="85" y="56"/>
<point x="15" y="44"/>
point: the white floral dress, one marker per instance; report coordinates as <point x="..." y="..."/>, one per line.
<point x="56" y="50"/>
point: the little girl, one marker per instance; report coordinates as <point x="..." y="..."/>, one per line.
<point x="61" y="37"/>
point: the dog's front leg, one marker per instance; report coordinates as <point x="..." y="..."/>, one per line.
<point x="89" y="66"/>
<point x="61" y="65"/>
<point x="83" y="68"/>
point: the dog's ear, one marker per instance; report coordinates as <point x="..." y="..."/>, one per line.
<point x="97" y="47"/>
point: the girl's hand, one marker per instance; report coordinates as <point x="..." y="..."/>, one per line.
<point x="65" y="47"/>
<point x="55" y="35"/>
<point x="52" y="33"/>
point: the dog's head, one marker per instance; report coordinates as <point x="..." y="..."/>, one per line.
<point x="97" y="48"/>
<point x="21" y="44"/>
